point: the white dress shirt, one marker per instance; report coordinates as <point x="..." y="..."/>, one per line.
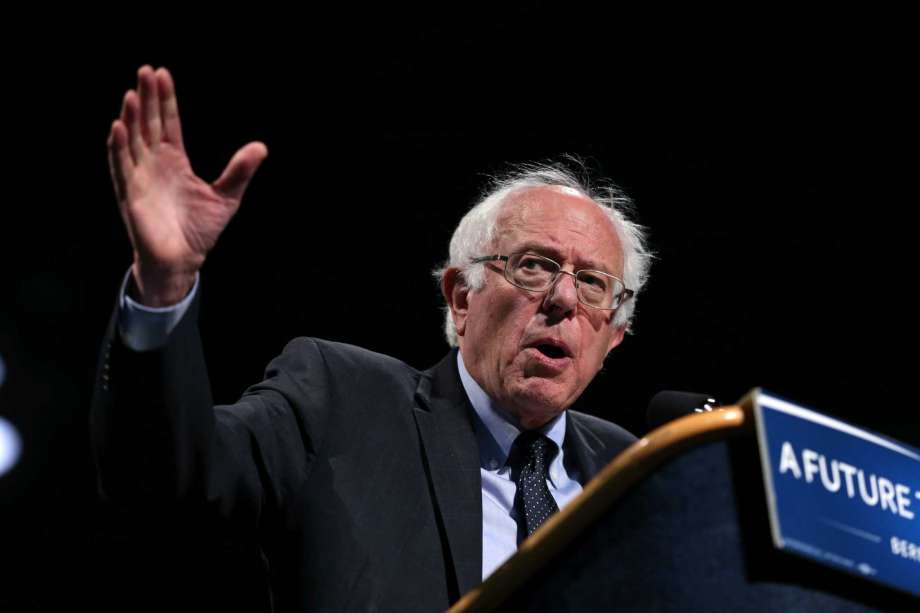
<point x="495" y="432"/>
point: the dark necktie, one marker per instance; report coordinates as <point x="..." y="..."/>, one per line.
<point x="530" y="458"/>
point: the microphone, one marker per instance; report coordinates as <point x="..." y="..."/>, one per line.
<point x="670" y="404"/>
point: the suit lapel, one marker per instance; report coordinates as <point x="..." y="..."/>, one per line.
<point x="583" y="445"/>
<point x="443" y="416"/>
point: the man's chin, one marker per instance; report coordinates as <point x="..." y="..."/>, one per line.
<point x="537" y="401"/>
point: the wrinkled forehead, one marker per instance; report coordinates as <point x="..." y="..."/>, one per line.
<point x="534" y="206"/>
<point x="564" y="219"/>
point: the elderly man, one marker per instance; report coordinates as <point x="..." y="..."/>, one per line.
<point x="369" y="484"/>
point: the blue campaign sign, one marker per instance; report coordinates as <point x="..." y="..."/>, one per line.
<point x="840" y="495"/>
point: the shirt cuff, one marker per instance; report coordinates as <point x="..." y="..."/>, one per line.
<point x="144" y="328"/>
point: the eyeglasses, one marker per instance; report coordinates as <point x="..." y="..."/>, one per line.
<point x="535" y="273"/>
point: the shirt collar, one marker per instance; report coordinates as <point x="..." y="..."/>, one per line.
<point x="499" y="425"/>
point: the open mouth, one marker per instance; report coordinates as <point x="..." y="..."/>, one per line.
<point x="551" y="351"/>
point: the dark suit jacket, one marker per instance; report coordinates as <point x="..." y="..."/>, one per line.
<point x="358" y="474"/>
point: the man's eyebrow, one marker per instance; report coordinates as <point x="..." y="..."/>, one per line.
<point x="540" y="248"/>
<point x="555" y="254"/>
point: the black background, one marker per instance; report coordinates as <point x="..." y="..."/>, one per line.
<point x="769" y="155"/>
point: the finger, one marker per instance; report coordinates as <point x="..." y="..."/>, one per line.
<point x="151" y="124"/>
<point x="236" y="176"/>
<point x="169" y="108"/>
<point x="120" y="163"/>
<point x="131" y="118"/>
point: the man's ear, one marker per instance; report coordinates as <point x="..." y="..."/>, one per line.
<point x="456" y="292"/>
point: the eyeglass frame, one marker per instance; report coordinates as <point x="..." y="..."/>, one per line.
<point x="623" y="296"/>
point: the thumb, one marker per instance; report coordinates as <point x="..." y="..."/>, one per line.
<point x="236" y="176"/>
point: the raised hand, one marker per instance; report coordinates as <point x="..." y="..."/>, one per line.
<point x="173" y="217"/>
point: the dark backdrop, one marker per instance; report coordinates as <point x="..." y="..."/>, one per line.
<point x="768" y="160"/>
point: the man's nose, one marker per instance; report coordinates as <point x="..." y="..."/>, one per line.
<point x="562" y="296"/>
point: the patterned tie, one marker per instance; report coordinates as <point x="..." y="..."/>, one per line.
<point x="530" y="458"/>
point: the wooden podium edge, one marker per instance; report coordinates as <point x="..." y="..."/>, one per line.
<point x="628" y="468"/>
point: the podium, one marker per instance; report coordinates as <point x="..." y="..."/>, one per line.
<point x="678" y="522"/>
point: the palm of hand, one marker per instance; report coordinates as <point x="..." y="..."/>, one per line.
<point x="173" y="215"/>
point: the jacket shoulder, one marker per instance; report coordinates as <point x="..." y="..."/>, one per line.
<point x="314" y="364"/>
<point x="608" y="432"/>
<point x="339" y="357"/>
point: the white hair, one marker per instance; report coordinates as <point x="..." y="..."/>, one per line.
<point x="477" y="231"/>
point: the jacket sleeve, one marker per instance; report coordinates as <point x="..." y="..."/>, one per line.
<point x="157" y="438"/>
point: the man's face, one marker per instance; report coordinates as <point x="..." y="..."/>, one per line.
<point x="535" y="352"/>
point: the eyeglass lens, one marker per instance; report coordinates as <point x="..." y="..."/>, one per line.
<point x="537" y="273"/>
